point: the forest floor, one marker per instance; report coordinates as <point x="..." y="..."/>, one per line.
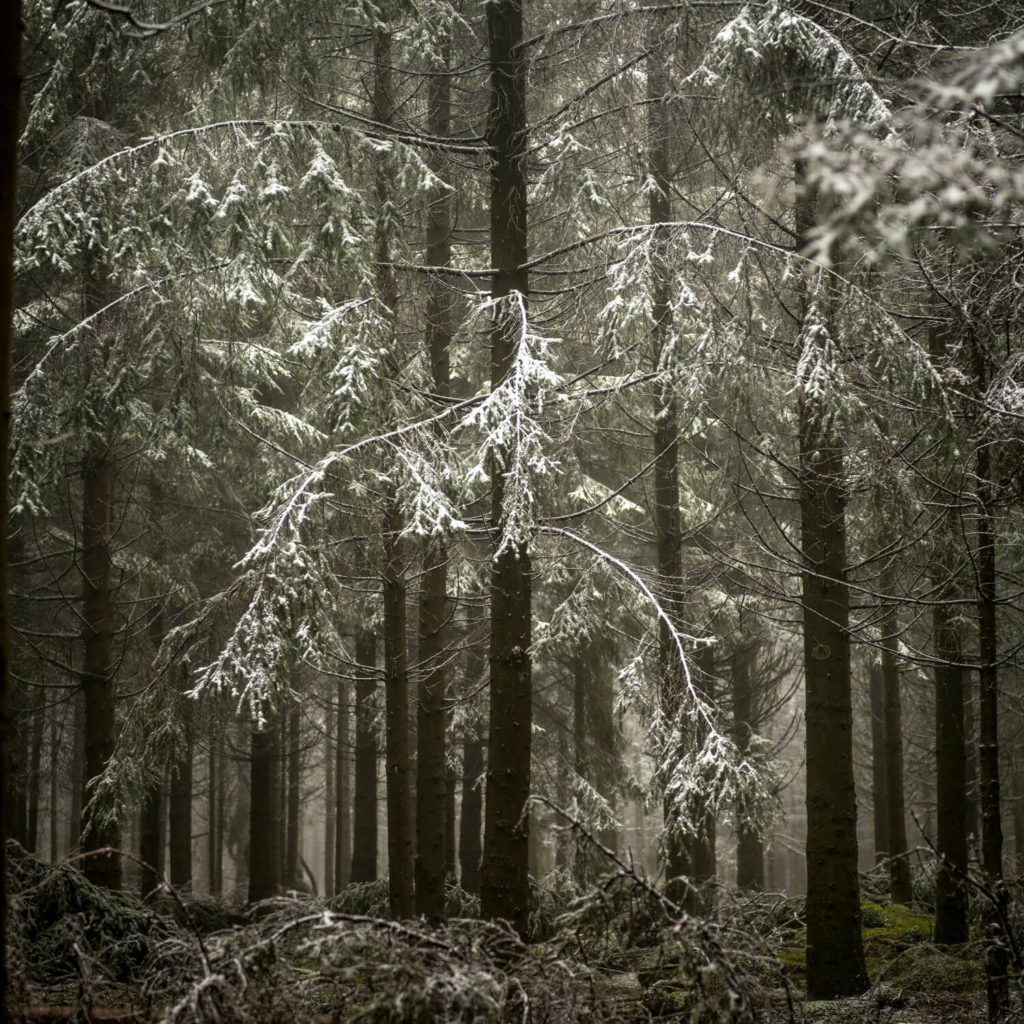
<point x="604" y="954"/>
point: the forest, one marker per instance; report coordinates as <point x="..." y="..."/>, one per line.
<point x="514" y="511"/>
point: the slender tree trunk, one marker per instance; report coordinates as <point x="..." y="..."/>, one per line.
<point x="330" y="800"/>
<point x="214" y="839"/>
<point x="10" y="77"/>
<point x="901" y="886"/>
<point x="151" y="840"/>
<point x="504" y="888"/>
<point x="293" y="871"/>
<point x="343" y="791"/>
<point x="77" y="770"/>
<point x="879" y="791"/>
<point x="835" y="952"/>
<point x="749" y="846"/>
<point x="34" y="780"/>
<point x="471" y="819"/>
<point x="364" y="842"/>
<point x="180" y="811"/>
<point x="99" y="683"/>
<point x="950" y="749"/>
<point x="431" y="766"/>
<point x="667" y="527"/>
<point x="264" y="856"/>
<point x="54" y="792"/>
<point x="396" y="723"/>
<point x="988" y="657"/>
<point x="971" y="787"/>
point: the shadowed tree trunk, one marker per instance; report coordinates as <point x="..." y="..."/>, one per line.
<point x="151" y="840"/>
<point x="214" y="800"/>
<point x="879" y="797"/>
<point x="431" y="767"/>
<point x="330" y="800"/>
<point x="292" y="870"/>
<point x="950" y="752"/>
<point x="504" y="888"/>
<point x="10" y="70"/>
<point x="749" y="846"/>
<point x="180" y="811"/>
<point x="470" y="849"/>
<point x="835" y="952"/>
<point x="99" y="683"/>
<point x="364" y="825"/>
<point x="264" y="831"/>
<point x="343" y="790"/>
<point x="901" y="886"/>
<point x="667" y="528"/>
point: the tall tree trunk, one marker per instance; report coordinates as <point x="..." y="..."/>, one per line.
<point x="77" y="770"/>
<point x="151" y="840"/>
<point x="264" y="842"/>
<point x="835" y="952"/>
<point x="667" y="527"/>
<point x="431" y="766"/>
<point x="180" y="811"/>
<point x="988" y="699"/>
<point x="330" y="800"/>
<point x="470" y="821"/>
<point x="214" y="800"/>
<point x="99" y="683"/>
<point x="879" y="791"/>
<point x="749" y="846"/>
<point x="292" y="870"/>
<point x="364" y="825"/>
<point x="504" y="888"/>
<point x="10" y="77"/>
<point x="950" y="752"/>
<point x="34" y="781"/>
<point x="54" y="793"/>
<point x="343" y="790"/>
<point x="901" y="887"/>
<point x="396" y="723"/>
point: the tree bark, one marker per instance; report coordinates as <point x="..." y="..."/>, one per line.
<point x="901" y="886"/>
<point x="330" y="800"/>
<point x="470" y="849"/>
<point x="879" y="791"/>
<point x="835" y="952"/>
<point x="34" y="781"/>
<point x="504" y="887"/>
<point x="749" y="846"/>
<point x="180" y="811"/>
<point x="364" y="826"/>
<point x="10" y="77"/>
<point x="214" y="800"/>
<point x="343" y="791"/>
<point x="264" y="851"/>
<point x="292" y="870"/>
<point x="99" y="683"/>
<point x="151" y="840"/>
<point x="431" y="764"/>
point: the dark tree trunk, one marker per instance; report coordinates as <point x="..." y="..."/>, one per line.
<point x="432" y="817"/>
<point x="77" y="770"/>
<point x="292" y="870"/>
<point x="950" y="750"/>
<point x="835" y="951"/>
<point x="504" y="887"/>
<point x="973" y="813"/>
<point x="749" y="846"/>
<point x="151" y="840"/>
<point x="99" y="683"/>
<point x="879" y="792"/>
<point x="34" y="780"/>
<point x="330" y="799"/>
<point x="667" y="528"/>
<point x="343" y="790"/>
<point x="364" y="826"/>
<point x="901" y="886"/>
<point x="471" y="820"/>
<point x="214" y="801"/>
<point x="264" y="841"/>
<point x="180" y="812"/>
<point x="10" y="72"/>
<point x="988" y="657"/>
<point x="54" y="794"/>
<point x="396" y="723"/>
